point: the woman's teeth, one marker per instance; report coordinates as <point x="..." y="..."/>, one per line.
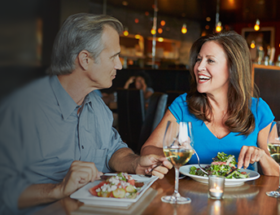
<point x="201" y="77"/>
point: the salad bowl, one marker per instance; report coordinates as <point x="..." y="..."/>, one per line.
<point x="253" y="175"/>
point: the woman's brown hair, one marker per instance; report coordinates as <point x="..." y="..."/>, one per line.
<point x="240" y="118"/>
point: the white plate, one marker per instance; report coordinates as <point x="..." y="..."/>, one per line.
<point x="228" y="182"/>
<point x="84" y="194"/>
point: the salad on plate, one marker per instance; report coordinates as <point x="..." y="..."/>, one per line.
<point x="120" y="186"/>
<point x="222" y="165"/>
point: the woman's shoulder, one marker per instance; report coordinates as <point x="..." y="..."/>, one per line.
<point x="262" y="112"/>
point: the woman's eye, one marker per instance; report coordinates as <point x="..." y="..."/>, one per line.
<point x="197" y="59"/>
<point x="210" y="61"/>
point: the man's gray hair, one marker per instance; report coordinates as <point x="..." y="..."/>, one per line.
<point x="79" y="32"/>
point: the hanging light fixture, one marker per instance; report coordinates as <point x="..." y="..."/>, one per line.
<point x="184" y="29"/>
<point x="253" y="45"/>
<point x="257" y="25"/>
<point x="125" y="32"/>
<point x="153" y="31"/>
<point x="219" y="27"/>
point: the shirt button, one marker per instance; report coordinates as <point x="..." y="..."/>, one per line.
<point x="82" y="147"/>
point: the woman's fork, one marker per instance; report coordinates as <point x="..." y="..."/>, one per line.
<point x="198" y="160"/>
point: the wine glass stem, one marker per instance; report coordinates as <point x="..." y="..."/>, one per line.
<point x="176" y="193"/>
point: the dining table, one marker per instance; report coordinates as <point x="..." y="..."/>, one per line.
<point x="248" y="198"/>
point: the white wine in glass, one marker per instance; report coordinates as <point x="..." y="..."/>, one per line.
<point x="273" y="145"/>
<point x="178" y="149"/>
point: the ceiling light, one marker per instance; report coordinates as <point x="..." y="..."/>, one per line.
<point x="208" y="19"/>
<point x="125" y="32"/>
<point x="159" y="30"/>
<point x="160" y="39"/>
<point x="162" y="23"/>
<point x="184" y="29"/>
<point x="219" y="27"/>
<point x="257" y="25"/>
<point x="252" y="45"/>
<point x="124" y="3"/>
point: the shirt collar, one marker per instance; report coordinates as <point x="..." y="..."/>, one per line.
<point x="65" y="102"/>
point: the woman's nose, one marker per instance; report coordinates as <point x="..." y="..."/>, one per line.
<point x="201" y="65"/>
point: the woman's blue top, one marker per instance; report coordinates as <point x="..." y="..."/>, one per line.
<point x="206" y="144"/>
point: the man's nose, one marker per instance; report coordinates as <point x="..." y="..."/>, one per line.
<point x="118" y="64"/>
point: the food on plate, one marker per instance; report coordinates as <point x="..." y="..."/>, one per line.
<point x="120" y="186"/>
<point x="222" y="165"/>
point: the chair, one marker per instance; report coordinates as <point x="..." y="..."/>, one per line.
<point x="154" y="114"/>
<point x="131" y="115"/>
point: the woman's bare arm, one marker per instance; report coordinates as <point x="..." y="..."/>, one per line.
<point x="154" y="143"/>
<point x="250" y="154"/>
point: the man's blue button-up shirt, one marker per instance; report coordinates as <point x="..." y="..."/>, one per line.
<point x="42" y="133"/>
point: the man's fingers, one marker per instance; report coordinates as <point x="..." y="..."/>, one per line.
<point x="86" y="166"/>
<point x="167" y="164"/>
<point x="158" y="174"/>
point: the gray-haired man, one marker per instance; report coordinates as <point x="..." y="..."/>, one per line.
<point x="56" y="134"/>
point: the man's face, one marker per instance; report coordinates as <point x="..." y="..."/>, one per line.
<point x="103" y="69"/>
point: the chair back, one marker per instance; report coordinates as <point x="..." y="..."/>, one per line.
<point x="131" y="115"/>
<point x="154" y="114"/>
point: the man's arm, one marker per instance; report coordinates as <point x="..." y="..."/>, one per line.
<point x="124" y="160"/>
<point x="79" y="174"/>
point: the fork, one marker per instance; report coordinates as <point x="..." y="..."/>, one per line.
<point x="198" y="160"/>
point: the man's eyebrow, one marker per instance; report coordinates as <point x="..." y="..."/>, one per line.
<point x="115" y="55"/>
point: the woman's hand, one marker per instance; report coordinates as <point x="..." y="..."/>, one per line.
<point x="249" y="154"/>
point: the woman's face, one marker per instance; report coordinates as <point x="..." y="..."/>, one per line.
<point x="139" y="82"/>
<point x="211" y="69"/>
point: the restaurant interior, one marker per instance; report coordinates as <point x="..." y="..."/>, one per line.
<point x="157" y="38"/>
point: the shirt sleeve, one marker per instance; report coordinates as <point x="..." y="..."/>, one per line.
<point x="115" y="144"/>
<point x="264" y="114"/>
<point x="12" y="159"/>
<point x="178" y="106"/>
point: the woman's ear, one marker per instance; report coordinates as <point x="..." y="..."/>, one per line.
<point x="84" y="59"/>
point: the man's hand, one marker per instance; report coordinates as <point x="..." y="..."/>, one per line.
<point x="147" y="162"/>
<point x="79" y="174"/>
<point x="249" y="154"/>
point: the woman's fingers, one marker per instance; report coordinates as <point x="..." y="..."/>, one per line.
<point x="249" y="154"/>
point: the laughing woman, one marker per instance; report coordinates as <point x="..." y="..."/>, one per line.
<point x="224" y="116"/>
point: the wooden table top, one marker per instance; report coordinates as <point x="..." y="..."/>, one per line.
<point x="249" y="198"/>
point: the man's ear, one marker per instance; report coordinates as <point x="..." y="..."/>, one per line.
<point x="84" y="59"/>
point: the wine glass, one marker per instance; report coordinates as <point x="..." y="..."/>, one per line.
<point x="273" y="145"/>
<point x="178" y="149"/>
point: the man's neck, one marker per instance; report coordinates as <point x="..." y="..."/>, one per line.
<point x="75" y="85"/>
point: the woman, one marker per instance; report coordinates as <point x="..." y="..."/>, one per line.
<point x="142" y="82"/>
<point x="224" y="116"/>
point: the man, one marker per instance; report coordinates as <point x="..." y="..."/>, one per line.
<point x="56" y="134"/>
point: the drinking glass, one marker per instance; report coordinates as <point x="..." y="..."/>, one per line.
<point x="178" y="149"/>
<point x="274" y="150"/>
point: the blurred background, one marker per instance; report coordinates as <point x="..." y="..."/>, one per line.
<point x="28" y="29"/>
